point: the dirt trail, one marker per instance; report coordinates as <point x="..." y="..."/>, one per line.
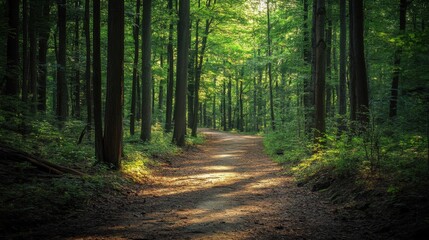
<point x="227" y="189"/>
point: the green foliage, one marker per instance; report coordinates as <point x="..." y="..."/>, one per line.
<point x="193" y="141"/>
<point x="286" y="148"/>
<point x="159" y="145"/>
<point x="382" y="152"/>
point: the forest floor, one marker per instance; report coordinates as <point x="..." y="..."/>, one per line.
<point x="227" y="188"/>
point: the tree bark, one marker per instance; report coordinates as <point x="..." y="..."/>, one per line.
<point x="343" y="84"/>
<point x="397" y="61"/>
<point x="25" y="56"/>
<point x="362" y="101"/>
<point x="12" y="70"/>
<point x="214" y="104"/>
<point x="241" y="120"/>
<point x="320" y="68"/>
<point x="88" y="82"/>
<point x="352" y="81"/>
<point x="183" y="36"/>
<point x="43" y="50"/>
<point x="270" y="74"/>
<point x="33" y="28"/>
<point x="136" y="31"/>
<point x="230" y="103"/>
<point x="328" y="36"/>
<point x="98" y="123"/>
<point x="160" y="90"/>
<point x="62" y="91"/>
<point x="308" y="99"/>
<point x="146" y="72"/>
<point x="76" y="91"/>
<point x="198" y="72"/>
<point x="115" y="84"/>
<point x="224" y="107"/>
<point x="170" y="80"/>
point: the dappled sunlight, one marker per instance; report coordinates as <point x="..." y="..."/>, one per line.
<point x="223" y="155"/>
<point x="217" y="168"/>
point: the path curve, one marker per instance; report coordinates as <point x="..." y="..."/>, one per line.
<point x="226" y="189"/>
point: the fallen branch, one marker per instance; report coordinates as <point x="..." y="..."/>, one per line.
<point x="9" y="154"/>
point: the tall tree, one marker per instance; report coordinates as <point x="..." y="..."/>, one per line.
<point x="25" y="56"/>
<point x="229" y="106"/>
<point x="352" y="71"/>
<point x="320" y="68"/>
<point x="12" y="71"/>
<point x="328" y="58"/>
<point x="269" y="67"/>
<point x="199" y="59"/>
<point x="115" y="84"/>
<point x="214" y="104"/>
<point x="43" y="50"/>
<point x="170" y="60"/>
<point x="136" y="35"/>
<point x="96" y="67"/>
<point x="182" y="73"/>
<point x="88" y="80"/>
<point x="33" y="32"/>
<point x="307" y="98"/>
<point x="62" y="91"/>
<point x="361" y="91"/>
<point x="146" y="71"/>
<point x="397" y="61"/>
<point x="224" y="123"/>
<point x="76" y="45"/>
<point x="342" y="110"/>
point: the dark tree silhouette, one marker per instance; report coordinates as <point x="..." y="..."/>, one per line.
<point x="183" y="36"/>
<point x="115" y="85"/>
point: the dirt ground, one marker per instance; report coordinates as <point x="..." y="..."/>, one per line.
<point x="226" y="189"/>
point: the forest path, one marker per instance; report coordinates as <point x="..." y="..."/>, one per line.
<point x="226" y="189"/>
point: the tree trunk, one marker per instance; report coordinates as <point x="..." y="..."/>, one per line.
<point x="33" y="28"/>
<point x="214" y="104"/>
<point x="88" y="82"/>
<point x="320" y="71"/>
<point x="328" y="53"/>
<point x="62" y="91"/>
<point x="308" y="80"/>
<point x="397" y="61"/>
<point x="255" y="105"/>
<point x="241" y="122"/>
<point x="25" y="56"/>
<point x="270" y="75"/>
<point x="115" y="84"/>
<point x="224" y="106"/>
<point x="343" y="84"/>
<point x="161" y="90"/>
<point x="260" y="117"/>
<point x="170" y="84"/>
<point x="12" y="70"/>
<point x="98" y="123"/>
<point x="362" y="101"/>
<point x="352" y="81"/>
<point x="229" y="103"/>
<point x="198" y="72"/>
<point x="146" y="72"/>
<point x="136" y="32"/>
<point x="183" y="36"/>
<point x="76" y="92"/>
<point x="43" y="50"/>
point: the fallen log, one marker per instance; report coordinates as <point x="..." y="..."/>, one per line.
<point x="9" y="154"/>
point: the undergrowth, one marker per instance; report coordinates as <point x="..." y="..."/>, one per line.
<point x="383" y="153"/>
<point x="31" y="197"/>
